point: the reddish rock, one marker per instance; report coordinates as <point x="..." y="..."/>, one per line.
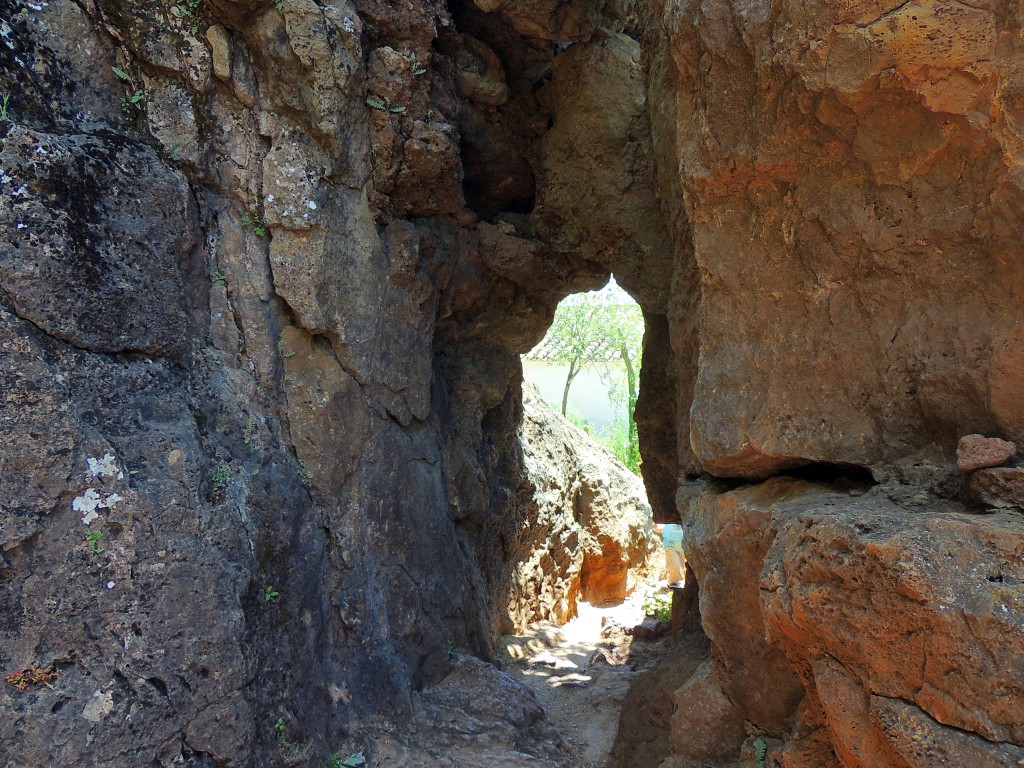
<point x="977" y="452"/>
<point x="727" y="537"/>
<point x="923" y="604"/>
<point x="855" y="300"/>
<point x="598" y="538"/>
<point x="845" y="706"/>
<point x="924" y="743"/>
<point x="999" y="487"/>
<point x="705" y="724"/>
<point x="645" y="723"/>
<point x="649" y="629"/>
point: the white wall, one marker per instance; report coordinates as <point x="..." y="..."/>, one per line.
<point x="588" y="395"/>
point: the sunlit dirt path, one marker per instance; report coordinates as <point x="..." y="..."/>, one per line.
<point x="582" y="671"/>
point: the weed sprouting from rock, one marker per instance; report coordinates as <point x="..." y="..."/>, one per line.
<point x="254" y="220"/>
<point x="658" y="604"/>
<point x="93" y="538"/>
<point x="22" y="679"/>
<point x="220" y="473"/>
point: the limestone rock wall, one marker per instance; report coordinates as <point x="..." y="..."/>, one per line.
<point x="846" y="295"/>
<point x="585" y="527"/>
<point x="260" y="377"/>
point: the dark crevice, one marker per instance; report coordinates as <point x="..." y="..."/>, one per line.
<point x="840" y="475"/>
<point x="159" y="684"/>
<point x="497" y="139"/>
<point x="837" y="476"/>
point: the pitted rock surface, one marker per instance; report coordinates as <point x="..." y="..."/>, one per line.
<point x="978" y="452"/>
<point x="266" y="270"/>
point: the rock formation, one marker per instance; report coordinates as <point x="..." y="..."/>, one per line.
<point x="584" y="522"/>
<point x="260" y="373"/>
<point x="266" y="269"/>
<point x="850" y="176"/>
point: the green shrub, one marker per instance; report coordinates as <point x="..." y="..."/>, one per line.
<point x="657" y="603"/>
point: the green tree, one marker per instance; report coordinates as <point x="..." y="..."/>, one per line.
<point x="624" y="334"/>
<point x="601" y="327"/>
<point x="573" y="338"/>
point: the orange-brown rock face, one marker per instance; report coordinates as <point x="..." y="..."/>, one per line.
<point x="581" y="525"/>
<point x="852" y="177"/>
<point x="904" y="622"/>
<point x="851" y="180"/>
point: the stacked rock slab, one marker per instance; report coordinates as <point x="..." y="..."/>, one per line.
<point x="851" y="180"/>
<point x="844" y="630"/>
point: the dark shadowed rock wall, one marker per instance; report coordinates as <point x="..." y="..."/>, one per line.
<point x="265" y="273"/>
<point x="261" y="387"/>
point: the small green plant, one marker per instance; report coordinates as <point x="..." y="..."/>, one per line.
<point x="190" y="9"/>
<point x="352" y="761"/>
<point x="128" y="103"/>
<point x="292" y="750"/>
<point x="220" y="473"/>
<point x="760" y="751"/>
<point x="132" y="100"/>
<point x="249" y="436"/>
<point x="279" y="5"/>
<point x="221" y="278"/>
<point x="254" y="220"/>
<point x="384" y="106"/>
<point x="270" y="594"/>
<point x="92" y="538"/>
<point x="417" y="68"/>
<point x="3" y="107"/>
<point x="303" y="473"/>
<point x="280" y="349"/>
<point x="658" y="604"/>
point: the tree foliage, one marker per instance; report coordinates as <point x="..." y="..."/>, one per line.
<point x="624" y="329"/>
<point x="575" y="337"/>
<point x="605" y="327"/>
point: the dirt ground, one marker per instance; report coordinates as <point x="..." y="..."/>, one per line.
<point x="581" y="672"/>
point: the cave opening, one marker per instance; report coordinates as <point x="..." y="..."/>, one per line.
<point x="590" y="607"/>
<point x="587" y="367"/>
<point x="556" y="149"/>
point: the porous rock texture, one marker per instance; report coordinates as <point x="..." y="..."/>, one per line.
<point x="851" y="174"/>
<point x="265" y="273"/>
<point x="845" y="305"/>
<point x="979" y="452"/>
<point x="261" y="386"/>
<point x="591" y="536"/>
<point x="895" y="616"/>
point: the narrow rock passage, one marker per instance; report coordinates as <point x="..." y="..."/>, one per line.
<point x="581" y="672"/>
